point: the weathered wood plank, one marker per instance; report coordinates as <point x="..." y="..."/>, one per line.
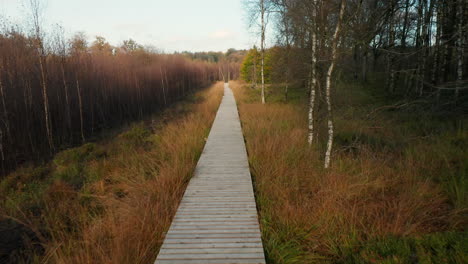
<point x="217" y="219"/>
<point x="210" y="250"/>
<point x="213" y="261"/>
<point x="212" y="245"/>
<point x="213" y="256"/>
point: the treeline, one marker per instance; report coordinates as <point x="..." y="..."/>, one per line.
<point x="413" y="48"/>
<point x="419" y="46"/>
<point x="58" y="93"/>
<point x="228" y="62"/>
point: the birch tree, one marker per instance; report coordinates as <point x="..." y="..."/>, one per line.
<point x="262" y="47"/>
<point x="328" y="83"/>
<point x="313" y="74"/>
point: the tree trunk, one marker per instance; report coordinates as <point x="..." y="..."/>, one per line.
<point x="67" y="99"/>
<point x="391" y="45"/>
<point x="404" y="32"/>
<point x="288" y="50"/>
<point x="254" y="77"/>
<point x="459" y="48"/>
<point x="162" y="85"/>
<point x="438" y="50"/>
<point x="5" y="112"/>
<point x="45" y="99"/>
<point x="262" y="48"/>
<point x="419" y="25"/>
<point x="328" y="84"/>
<point x="80" y="104"/>
<point x="313" y="77"/>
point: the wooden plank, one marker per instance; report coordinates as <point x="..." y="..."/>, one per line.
<point x="219" y="230"/>
<point x="210" y="250"/>
<point x="217" y="221"/>
<point x="212" y="240"/>
<point x="218" y="227"/>
<point x="213" y="261"/>
<point x="212" y="245"/>
<point x="213" y="256"/>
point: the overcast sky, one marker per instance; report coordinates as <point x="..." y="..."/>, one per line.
<point x="170" y="25"/>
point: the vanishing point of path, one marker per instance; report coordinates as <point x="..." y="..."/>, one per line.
<point x="216" y="221"/>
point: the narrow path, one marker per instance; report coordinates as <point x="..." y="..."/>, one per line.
<point x="217" y="219"/>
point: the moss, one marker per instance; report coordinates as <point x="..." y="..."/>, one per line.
<point x="136" y="137"/>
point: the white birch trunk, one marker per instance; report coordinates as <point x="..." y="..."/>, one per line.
<point x="262" y="47"/>
<point x="313" y="78"/>
<point x="328" y="85"/>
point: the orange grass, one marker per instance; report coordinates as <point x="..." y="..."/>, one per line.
<point x="309" y="215"/>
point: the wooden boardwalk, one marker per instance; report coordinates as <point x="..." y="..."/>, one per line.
<point x="216" y="221"/>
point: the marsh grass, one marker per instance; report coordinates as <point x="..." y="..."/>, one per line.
<point x="396" y="192"/>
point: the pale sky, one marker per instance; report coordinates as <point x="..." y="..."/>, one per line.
<point x="169" y="25"/>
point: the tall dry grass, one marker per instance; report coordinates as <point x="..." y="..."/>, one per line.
<point x="133" y="185"/>
<point x="312" y="215"/>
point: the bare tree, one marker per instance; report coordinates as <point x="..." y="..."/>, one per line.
<point x="36" y="10"/>
<point x="61" y="46"/>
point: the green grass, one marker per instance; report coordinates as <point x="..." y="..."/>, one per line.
<point x="436" y="248"/>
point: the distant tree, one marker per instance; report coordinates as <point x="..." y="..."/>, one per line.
<point x="78" y="43"/>
<point x="101" y="45"/>
<point x="250" y="66"/>
<point x="259" y="11"/>
<point x="131" y="45"/>
<point x="230" y="51"/>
